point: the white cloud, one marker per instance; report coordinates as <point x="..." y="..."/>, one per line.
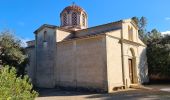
<point x="166" y="32"/>
<point x="24" y="40"/>
<point x="167" y="18"/>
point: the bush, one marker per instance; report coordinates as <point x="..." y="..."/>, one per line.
<point x="13" y="87"/>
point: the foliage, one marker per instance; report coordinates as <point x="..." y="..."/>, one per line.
<point x="158" y="49"/>
<point x="154" y="34"/>
<point x="13" y="87"/>
<point x="158" y="54"/>
<point x="11" y="52"/>
<point x="141" y="23"/>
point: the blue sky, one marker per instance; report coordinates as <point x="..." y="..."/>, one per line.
<point x="25" y="16"/>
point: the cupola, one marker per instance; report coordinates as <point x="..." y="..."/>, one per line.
<point x="73" y="18"/>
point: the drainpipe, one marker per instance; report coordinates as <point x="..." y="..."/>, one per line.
<point x="122" y="53"/>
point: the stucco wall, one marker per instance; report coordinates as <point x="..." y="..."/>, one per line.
<point x="128" y="55"/>
<point x="125" y="25"/>
<point x="82" y="63"/>
<point x="139" y="54"/>
<point x="99" y="29"/>
<point x="45" y="60"/>
<point x="62" y="35"/>
<point x="31" y="65"/>
<point x="114" y="62"/>
<point x="142" y="64"/>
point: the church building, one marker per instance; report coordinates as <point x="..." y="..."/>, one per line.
<point x="72" y="55"/>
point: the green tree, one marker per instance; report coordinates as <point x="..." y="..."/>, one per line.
<point x="11" y="52"/>
<point x="141" y="23"/>
<point x="154" y="34"/>
<point x="158" y="54"/>
<point x="13" y="87"/>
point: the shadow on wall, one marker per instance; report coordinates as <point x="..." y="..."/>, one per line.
<point x="143" y="67"/>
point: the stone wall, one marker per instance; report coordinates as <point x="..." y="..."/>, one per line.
<point x="45" y="58"/>
<point x="82" y="63"/>
<point x="99" y="29"/>
<point x="30" y="69"/>
<point x="114" y="61"/>
<point x="62" y="35"/>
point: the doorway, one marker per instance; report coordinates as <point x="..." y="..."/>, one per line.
<point x="131" y="71"/>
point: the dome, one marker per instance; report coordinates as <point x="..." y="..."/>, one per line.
<point x="74" y="18"/>
<point x="75" y="8"/>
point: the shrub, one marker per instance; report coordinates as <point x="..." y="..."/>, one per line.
<point x="13" y="87"/>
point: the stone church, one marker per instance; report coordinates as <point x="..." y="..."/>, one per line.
<point x="103" y="57"/>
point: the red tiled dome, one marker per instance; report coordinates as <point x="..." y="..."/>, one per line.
<point x="73" y="7"/>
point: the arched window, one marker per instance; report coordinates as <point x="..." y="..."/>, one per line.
<point x="83" y="19"/>
<point x="74" y="18"/>
<point x="130" y="33"/>
<point x="45" y="39"/>
<point x="45" y="36"/>
<point x="64" y="19"/>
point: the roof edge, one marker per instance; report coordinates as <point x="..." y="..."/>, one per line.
<point x="50" y="26"/>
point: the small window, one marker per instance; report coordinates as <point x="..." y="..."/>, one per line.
<point x="130" y="33"/>
<point x="45" y="39"/>
<point x="84" y="19"/>
<point x="74" y="18"/>
<point x="45" y="36"/>
<point x="64" y="19"/>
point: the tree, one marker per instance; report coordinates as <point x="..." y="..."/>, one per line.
<point x="13" y="87"/>
<point x="141" y="23"/>
<point x="154" y="34"/>
<point x="158" y="54"/>
<point x="158" y="50"/>
<point x="11" y="52"/>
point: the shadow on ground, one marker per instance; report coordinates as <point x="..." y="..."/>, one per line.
<point x="134" y="95"/>
<point x="43" y="92"/>
<point x="121" y="95"/>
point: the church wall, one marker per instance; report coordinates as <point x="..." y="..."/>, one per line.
<point x="142" y="64"/>
<point x="65" y="68"/>
<point x="140" y="54"/>
<point x="82" y="63"/>
<point x="128" y="55"/>
<point x="62" y="35"/>
<point x="45" y="59"/>
<point x="125" y="26"/>
<point x="98" y="29"/>
<point x="31" y="65"/>
<point x="114" y="34"/>
<point x="114" y="62"/>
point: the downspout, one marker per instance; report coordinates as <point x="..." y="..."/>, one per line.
<point x="122" y="53"/>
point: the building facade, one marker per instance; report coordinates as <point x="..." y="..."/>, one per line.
<point x="72" y="55"/>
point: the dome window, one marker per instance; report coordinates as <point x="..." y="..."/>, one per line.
<point x="84" y="20"/>
<point x="74" y="18"/>
<point x="64" y="19"/>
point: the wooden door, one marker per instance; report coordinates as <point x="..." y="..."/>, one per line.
<point x="131" y="70"/>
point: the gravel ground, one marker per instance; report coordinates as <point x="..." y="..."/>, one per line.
<point x="153" y="93"/>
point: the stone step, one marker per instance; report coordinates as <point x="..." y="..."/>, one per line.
<point x="136" y="86"/>
<point x="139" y="86"/>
